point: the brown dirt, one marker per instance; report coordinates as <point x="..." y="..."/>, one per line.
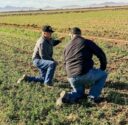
<point x="37" y="28"/>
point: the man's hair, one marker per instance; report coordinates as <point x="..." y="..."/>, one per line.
<point x="76" y="30"/>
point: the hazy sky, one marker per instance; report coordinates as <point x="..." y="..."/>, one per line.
<point x="53" y="3"/>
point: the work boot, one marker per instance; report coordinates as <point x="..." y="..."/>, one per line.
<point x="59" y="101"/>
<point x="92" y="100"/>
<point x="23" y="78"/>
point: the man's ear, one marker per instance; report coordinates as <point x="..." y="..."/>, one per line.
<point x="43" y="33"/>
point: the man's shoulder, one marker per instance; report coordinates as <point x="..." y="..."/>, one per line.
<point x="83" y="40"/>
<point x="41" y="40"/>
<point x="88" y="41"/>
<point x="80" y="40"/>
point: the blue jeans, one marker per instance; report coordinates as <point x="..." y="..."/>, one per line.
<point x="46" y="69"/>
<point x="95" y="78"/>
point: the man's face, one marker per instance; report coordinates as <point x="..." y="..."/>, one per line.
<point x="47" y="34"/>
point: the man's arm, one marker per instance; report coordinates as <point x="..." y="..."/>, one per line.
<point x="56" y="42"/>
<point x="99" y="53"/>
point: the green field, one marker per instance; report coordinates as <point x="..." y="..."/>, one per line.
<point x="34" y="104"/>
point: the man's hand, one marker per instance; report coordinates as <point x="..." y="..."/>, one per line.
<point x="62" y="38"/>
<point x="56" y="62"/>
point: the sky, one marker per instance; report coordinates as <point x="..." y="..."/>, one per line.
<point x="53" y="3"/>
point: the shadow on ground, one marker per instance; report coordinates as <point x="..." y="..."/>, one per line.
<point x="118" y="93"/>
<point x="117" y="85"/>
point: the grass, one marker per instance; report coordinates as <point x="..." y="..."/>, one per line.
<point x="33" y="104"/>
<point x="113" y="23"/>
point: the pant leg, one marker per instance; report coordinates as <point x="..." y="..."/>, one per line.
<point x="98" y="78"/>
<point x="95" y="78"/>
<point x="34" y="79"/>
<point x="39" y="78"/>
<point x="42" y="73"/>
<point x="76" y="93"/>
<point x="47" y="67"/>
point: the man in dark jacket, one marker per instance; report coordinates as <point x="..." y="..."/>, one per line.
<point x="42" y="58"/>
<point x="80" y="71"/>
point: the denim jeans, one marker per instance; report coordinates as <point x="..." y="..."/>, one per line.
<point x="95" y="78"/>
<point x="46" y="69"/>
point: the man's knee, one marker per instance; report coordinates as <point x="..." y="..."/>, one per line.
<point x="36" y="62"/>
<point x="53" y="64"/>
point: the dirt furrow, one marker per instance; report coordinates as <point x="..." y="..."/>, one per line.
<point x="37" y="28"/>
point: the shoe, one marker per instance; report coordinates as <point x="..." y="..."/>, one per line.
<point x="23" y="78"/>
<point x="59" y="101"/>
<point x="92" y="100"/>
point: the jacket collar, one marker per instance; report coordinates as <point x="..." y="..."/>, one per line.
<point x="75" y="37"/>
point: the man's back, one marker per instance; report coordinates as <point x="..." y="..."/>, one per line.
<point x="80" y="71"/>
<point x="78" y="56"/>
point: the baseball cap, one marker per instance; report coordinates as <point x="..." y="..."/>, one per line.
<point x="47" y="28"/>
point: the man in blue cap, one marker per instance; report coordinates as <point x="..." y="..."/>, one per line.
<point x="80" y="70"/>
<point x="42" y="58"/>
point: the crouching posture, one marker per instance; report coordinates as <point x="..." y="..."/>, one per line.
<point x="80" y="70"/>
<point x="42" y="58"/>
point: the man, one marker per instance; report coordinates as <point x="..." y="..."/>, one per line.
<point x="80" y="71"/>
<point x="42" y="58"/>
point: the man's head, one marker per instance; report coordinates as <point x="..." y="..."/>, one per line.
<point x="47" y="31"/>
<point x="75" y="31"/>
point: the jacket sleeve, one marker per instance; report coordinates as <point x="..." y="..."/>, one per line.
<point x="56" y="42"/>
<point x="99" y="53"/>
<point x="35" y="49"/>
